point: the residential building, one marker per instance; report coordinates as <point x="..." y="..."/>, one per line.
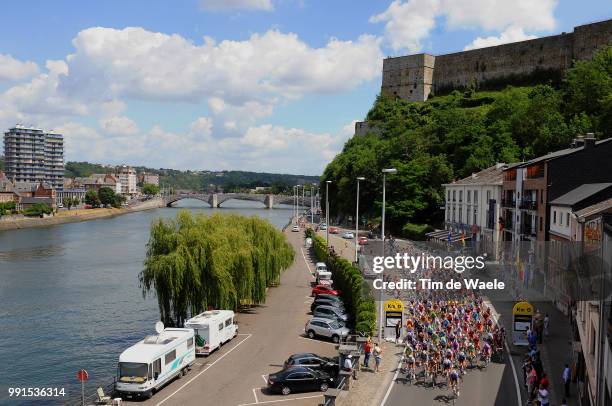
<point x="127" y="178"/>
<point x="150" y="178"/>
<point x="33" y="155"/>
<point x="473" y="205"/>
<point x="30" y="194"/>
<point x="73" y="193"/>
<point x="7" y="191"/>
<point x="528" y="187"/>
<point x="98" y="180"/>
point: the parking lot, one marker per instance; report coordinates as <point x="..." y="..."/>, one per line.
<point x="237" y="373"/>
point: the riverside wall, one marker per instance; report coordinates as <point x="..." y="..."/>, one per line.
<point x="17" y="222"/>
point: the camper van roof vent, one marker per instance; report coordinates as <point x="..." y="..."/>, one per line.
<point x="150" y="340"/>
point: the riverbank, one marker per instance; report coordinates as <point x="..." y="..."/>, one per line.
<point x="77" y="215"/>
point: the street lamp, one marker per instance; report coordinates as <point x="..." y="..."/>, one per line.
<point x="382" y="237"/>
<point x="357" y="219"/>
<point x="327" y="182"/>
<point x="297" y="199"/>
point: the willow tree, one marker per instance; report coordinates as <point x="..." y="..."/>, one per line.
<point x="221" y="261"/>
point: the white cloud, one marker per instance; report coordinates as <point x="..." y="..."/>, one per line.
<point x="119" y="125"/>
<point x="12" y="69"/>
<point x="236" y="5"/>
<point x="512" y="34"/>
<point x="409" y="23"/>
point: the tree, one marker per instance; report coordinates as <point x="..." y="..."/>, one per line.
<point x="223" y="261"/>
<point x="92" y="199"/>
<point x="119" y="199"/>
<point x="107" y="196"/>
<point x="150" y="189"/>
<point x="7" y="207"/>
<point x="37" y="209"/>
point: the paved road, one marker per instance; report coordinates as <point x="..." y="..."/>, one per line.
<point x="236" y="374"/>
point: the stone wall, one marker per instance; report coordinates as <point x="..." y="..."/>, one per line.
<point x="413" y="77"/>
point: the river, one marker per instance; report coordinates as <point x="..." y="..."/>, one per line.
<point x="70" y="298"/>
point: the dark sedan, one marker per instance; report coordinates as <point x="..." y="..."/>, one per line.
<point x="325" y="302"/>
<point x="314" y="361"/>
<point x="299" y="379"/>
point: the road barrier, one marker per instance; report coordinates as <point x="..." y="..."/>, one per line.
<point x="92" y="398"/>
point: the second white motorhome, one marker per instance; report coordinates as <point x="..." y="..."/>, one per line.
<point x="212" y="329"/>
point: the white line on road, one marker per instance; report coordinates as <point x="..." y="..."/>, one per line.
<point x="516" y="383"/>
<point x="255" y="394"/>
<point x="399" y="365"/>
<point x="280" y="400"/>
<point x="306" y="261"/>
<point x="264" y="378"/>
<point x="205" y="369"/>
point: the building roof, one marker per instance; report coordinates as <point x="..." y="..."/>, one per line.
<point x="493" y="175"/>
<point x="560" y="153"/>
<point x="594" y="209"/>
<point x="579" y="194"/>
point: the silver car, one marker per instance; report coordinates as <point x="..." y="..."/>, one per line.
<point x="330" y="312"/>
<point x="326" y="328"/>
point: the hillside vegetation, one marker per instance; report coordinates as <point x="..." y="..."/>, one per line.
<point x="451" y="136"/>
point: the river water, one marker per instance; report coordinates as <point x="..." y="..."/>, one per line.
<point x="70" y="298"/>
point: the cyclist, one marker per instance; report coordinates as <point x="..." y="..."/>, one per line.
<point x="454" y="381"/>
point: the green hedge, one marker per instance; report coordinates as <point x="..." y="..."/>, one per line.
<point x="416" y="231"/>
<point x="347" y="278"/>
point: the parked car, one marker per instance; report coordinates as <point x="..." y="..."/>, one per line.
<point x="328" y="296"/>
<point x="333" y="230"/>
<point x="326" y="302"/>
<point x="319" y="289"/>
<point x="320" y="266"/>
<point x="363" y="241"/>
<point x="322" y="327"/>
<point x="323" y="227"/>
<point x="314" y="361"/>
<point x="299" y="379"/>
<point x="330" y="312"/>
<point x="295" y="228"/>
<point x="348" y="235"/>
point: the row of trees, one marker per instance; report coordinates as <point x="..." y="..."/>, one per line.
<point x="221" y="261"/>
<point x="7" y="208"/>
<point x="449" y="137"/>
<point x="105" y="197"/>
<point x="347" y="278"/>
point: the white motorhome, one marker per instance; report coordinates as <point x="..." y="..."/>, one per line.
<point x="212" y="329"/>
<point x="153" y="362"/>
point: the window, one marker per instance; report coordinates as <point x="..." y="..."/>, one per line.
<point x="566" y="219"/>
<point x="555" y="216"/>
<point x="541" y="196"/>
<point x="228" y="322"/>
<point x="560" y="219"/>
<point x="220" y="326"/>
<point x="469" y="196"/>
<point x="448" y="196"/>
<point x="454" y="195"/>
<point x="488" y="195"/>
<point x="171" y="356"/>
<point x="541" y="224"/>
<point x="190" y="343"/>
<point x="460" y="195"/>
<point x="475" y="216"/>
<point x="460" y="216"/>
<point x="475" y="196"/>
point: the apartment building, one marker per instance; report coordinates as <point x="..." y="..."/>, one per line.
<point x="148" y="178"/>
<point x="127" y="177"/>
<point x="34" y="155"/>
<point x="473" y="206"/>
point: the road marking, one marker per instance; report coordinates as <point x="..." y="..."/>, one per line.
<point x="318" y="341"/>
<point x="255" y="394"/>
<point x="280" y="400"/>
<point x="399" y="365"/>
<point x="516" y="383"/>
<point x="205" y="369"/>
<point x="264" y="378"/>
<point x="306" y="261"/>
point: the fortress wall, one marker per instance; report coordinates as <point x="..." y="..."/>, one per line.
<point x="408" y="77"/>
<point x="589" y="37"/>
<point x="520" y="58"/>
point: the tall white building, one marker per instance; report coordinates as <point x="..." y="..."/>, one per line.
<point x="33" y="155"/>
<point x="127" y="178"/>
<point x="473" y="206"/>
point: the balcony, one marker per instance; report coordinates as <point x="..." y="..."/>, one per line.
<point x="529" y="205"/>
<point x="508" y="203"/>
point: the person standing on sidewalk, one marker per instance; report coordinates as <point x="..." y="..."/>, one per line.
<point x="348" y="366"/>
<point x="367" y="349"/>
<point x="377" y="356"/>
<point x="566" y="380"/>
<point x="398" y="331"/>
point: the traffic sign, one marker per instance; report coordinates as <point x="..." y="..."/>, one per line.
<point x="82" y="375"/>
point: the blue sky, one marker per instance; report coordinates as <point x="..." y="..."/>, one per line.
<point x="276" y="86"/>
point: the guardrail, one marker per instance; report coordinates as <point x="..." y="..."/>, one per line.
<point x="92" y="398"/>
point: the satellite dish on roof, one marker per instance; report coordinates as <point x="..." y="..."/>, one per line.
<point x="159" y="327"/>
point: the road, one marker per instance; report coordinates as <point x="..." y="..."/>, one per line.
<point x="236" y="374"/>
<point x="495" y="385"/>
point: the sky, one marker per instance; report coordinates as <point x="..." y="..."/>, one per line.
<point x="259" y="85"/>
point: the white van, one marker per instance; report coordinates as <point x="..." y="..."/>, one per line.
<point x="153" y="362"/>
<point x="320" y="266"/>
<point x="212" y="329"/>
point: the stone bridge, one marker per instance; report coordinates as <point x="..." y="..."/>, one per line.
<point x="217" y="199"/>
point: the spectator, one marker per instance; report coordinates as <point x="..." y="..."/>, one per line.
<point x="532" y="382"/>
<point x="543" y="396"/>
<point x="566" y="380"/>
<point x="398" y="331"/>
<point x="367" y="349"/>
<point x="544" y="381"/>
<point x="377" y="356"/>
<point x="348" y="366"/>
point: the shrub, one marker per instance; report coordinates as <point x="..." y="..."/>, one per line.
<point x="416" y="231"/>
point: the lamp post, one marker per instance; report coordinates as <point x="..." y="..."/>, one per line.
<point x="357" y="220"/>
<point x="327" y="182"/>
<point x="294" y="203"/>
<point x="382" y="237"/>
<point x="303" y="199"/>
<point x="311" y="203"/>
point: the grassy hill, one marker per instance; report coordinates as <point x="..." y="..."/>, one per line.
<point x="449" y="137"/>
